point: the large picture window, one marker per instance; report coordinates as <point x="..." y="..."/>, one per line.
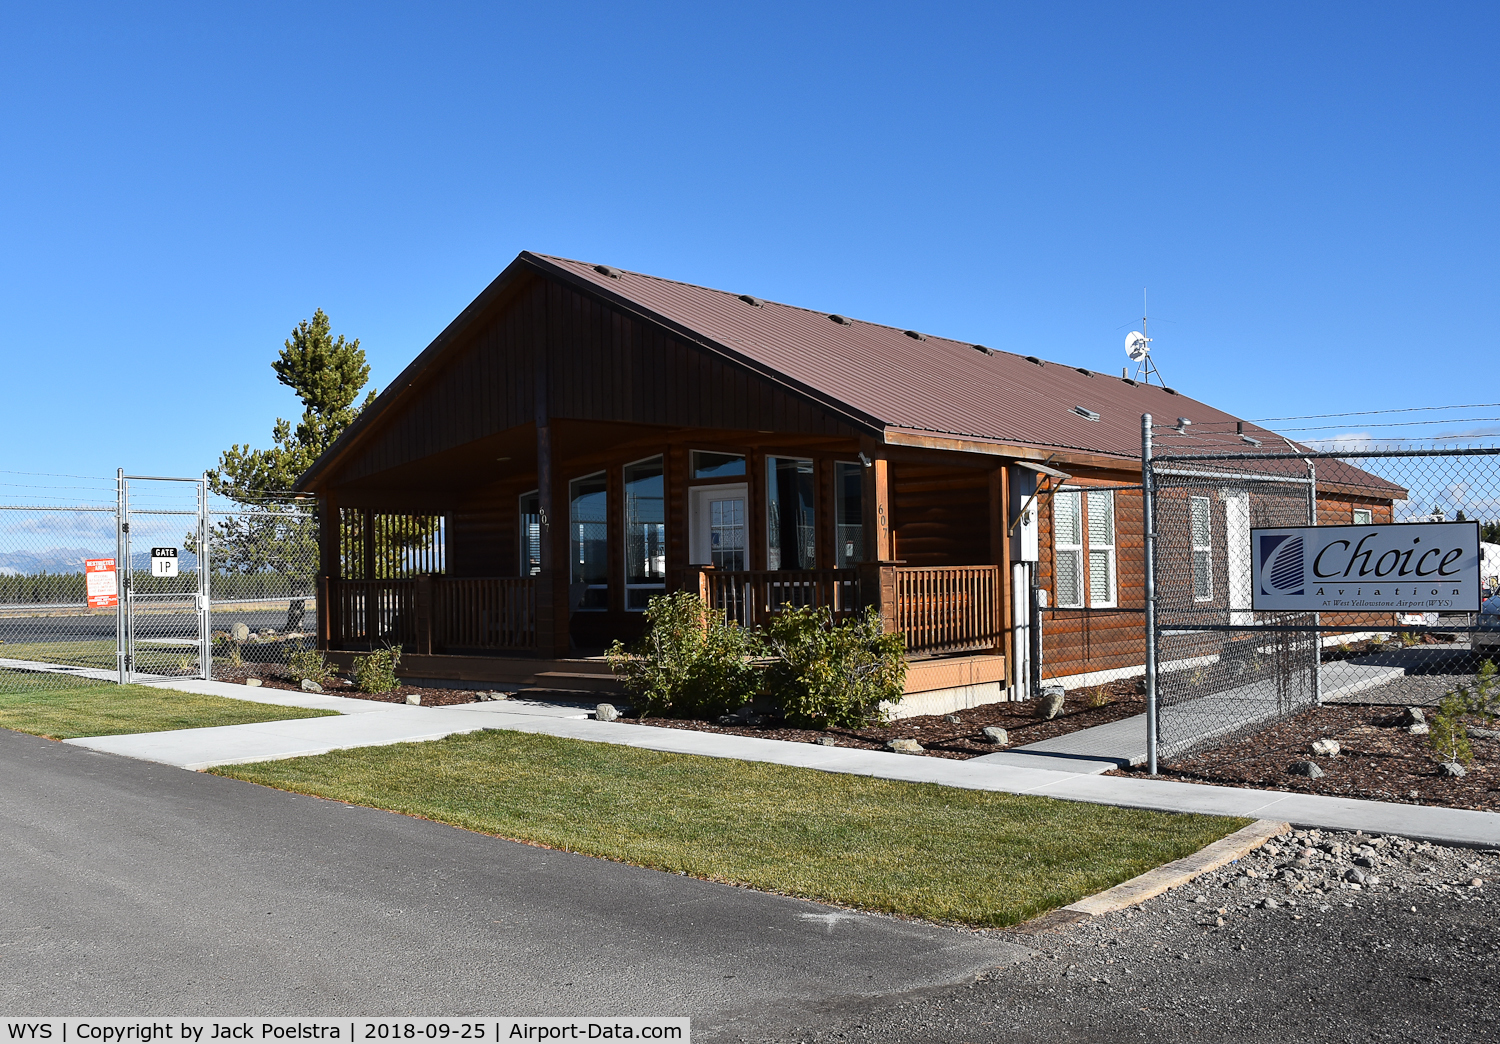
<point x="1203" y="551"/>
<point x="1083" y="530"/>
<point x="645" y="533"/>
<point x="588" y="544"/>
<point x="790" y="518"/>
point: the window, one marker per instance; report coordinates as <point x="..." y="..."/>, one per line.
<point x="531" y="533"/>
<point x="849" y="484"/>
<point x="1067" y="528"/>
<point x="726" y="532"/>
<point x="1364" y="517"/>
<point x="717" y="465"/>
<point x="645" y="533"/>
<point x="1101" y="523"/>
<point x="790" y="518"/>
<point x="588" y="544"/>
<point x="1083" y="527"/>
<point x="1203" y="551"/>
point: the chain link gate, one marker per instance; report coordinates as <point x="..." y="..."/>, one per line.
<point x="1216" y="668"/>
<point x="164" y="603"/>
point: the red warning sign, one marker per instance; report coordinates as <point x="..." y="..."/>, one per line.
<point x="103" y="583"/>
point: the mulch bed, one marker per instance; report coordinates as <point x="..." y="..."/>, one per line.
<point x="942" y="738"/>
<point x="1379" y="760"/>
<point x="273" y="677"/>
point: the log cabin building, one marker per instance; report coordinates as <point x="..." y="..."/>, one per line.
<point x="582" y="438"/>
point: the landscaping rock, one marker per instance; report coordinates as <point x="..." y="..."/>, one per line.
<point x="1354" y="875"/>
<point x="1366" y="862"/>
<point x="1414" y="716"/>
<point x="996" y="735"/>
<point x="254" y="683"/>
<point x="1417" y="730"/>
<point x="414" y="700"/>
<point x="828" y="741"/>
<point x="952" y="719"/>
<point x="1479" y="733"/>
<point x="308" y="685"/>
<point x="1051" y="703"/>
<point x="606" y="712"/>
<point x="1451" y="769"/>
<point x="1305" y="768"/>
<point x="1269" y="904"/>
<point x="1326" y="748"/>
<point x="904" y="746"/>
<point x="239" y="632"/>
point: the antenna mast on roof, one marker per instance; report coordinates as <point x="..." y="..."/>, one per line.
<point x="1138" y="350"/>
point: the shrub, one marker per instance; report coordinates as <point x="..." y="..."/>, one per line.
<point x="1098" y="697"/>
<point x="691" y="662"/>
<point x="1449" y="735"/>
<point x="833" y="674"/>
<point x="309" y="665"/>
<point x="376" y="672"/>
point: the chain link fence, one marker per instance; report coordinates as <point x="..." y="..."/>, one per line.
<point x="1223" y="669"/>
<point x="256" y="607"/>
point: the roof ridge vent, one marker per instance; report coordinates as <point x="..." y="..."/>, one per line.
<point x="841" y="320"/>
<point x="982" y="348"/>
<point x="1128" y="381"/>
<point x="1034" y="359"/>
<point x="1086" y="373"/>
<point x="757" y="302"/>
<point x="1169" y="391"/>
<point x="914" y="335"/>
<point x="605" y="270"/>
<point x="1086" y="414"/>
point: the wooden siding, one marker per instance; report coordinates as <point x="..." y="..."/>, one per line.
<point x="940" y="514"/>
<point x="600" y="364"/>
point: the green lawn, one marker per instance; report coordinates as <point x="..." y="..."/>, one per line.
<point x="75" y="654"/>
<point x="60" y="707"/>
<point x="927" y="851"/>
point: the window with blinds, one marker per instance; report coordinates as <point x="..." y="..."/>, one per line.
<point x="1067" y="531"/>
<point x="1101" y="529"/>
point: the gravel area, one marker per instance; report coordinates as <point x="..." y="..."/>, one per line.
<point x="1378" y="758"/>
<point x="941" y="737"/>
<point x="1277" y="947"/>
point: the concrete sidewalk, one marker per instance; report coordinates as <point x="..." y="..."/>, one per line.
<point x="373" y="724"/>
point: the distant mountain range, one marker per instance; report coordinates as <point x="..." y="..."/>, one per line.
<point x="70" y="560"/>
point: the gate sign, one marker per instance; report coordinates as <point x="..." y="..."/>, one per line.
<point x="1407" y="567"/>
<point x="163" y="561"/>
<point x="101" y="583"/>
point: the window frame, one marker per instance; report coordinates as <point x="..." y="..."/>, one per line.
<point x="1206" y="549"/>
<point x="810" y="529"/>
<point x="574" y="543"/>
<point x="625" y="536"/>
<point x="840" y="559"/>
<point x="1074" y="496"/>
<point x="523" y="534"/>
<point x="1369" y="519"/>
<point x="1090" y="549"/>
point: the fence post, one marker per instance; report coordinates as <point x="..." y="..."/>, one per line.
<point x="1148" y="527"/>
<point x="1312" y="511"/>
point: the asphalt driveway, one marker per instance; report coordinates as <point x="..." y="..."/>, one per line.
<point x="131" y="888"/>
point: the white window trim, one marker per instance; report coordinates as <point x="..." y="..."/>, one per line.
<point x="1369" y="516"/>
<point x="625" y="583"/>
<point x="1089" y="549"/>
<point x="1209" y="547"/>
<point x="1059" y="549"/>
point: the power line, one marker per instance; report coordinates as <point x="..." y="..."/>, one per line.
<point x="1372" y="413"/>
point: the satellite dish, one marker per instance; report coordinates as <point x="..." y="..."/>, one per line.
<point x="1137" y="346"/>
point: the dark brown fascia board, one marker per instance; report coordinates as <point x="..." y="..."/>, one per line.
<point x="412" y="375"/>
<point x="1015" y="450"/>
<point x="870" y="424"/>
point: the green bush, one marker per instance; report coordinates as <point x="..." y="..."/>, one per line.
<point x="376" y="672"/>
<point x="691" y="662"/>
<point x="833" y="674"/>
<point x="309" y="665"/>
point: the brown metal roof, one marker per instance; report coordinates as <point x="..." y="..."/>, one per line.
<point x="932" y="384"/>
<point x="909" y="383"/>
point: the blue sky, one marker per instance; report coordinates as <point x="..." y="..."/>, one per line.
<point x="1308" y="191"/>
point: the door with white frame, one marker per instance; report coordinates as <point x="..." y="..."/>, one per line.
<point x="717" y="524"/>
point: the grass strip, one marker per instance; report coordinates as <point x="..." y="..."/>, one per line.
<point x="60" y="707"/>
<point x="921" y="850"/>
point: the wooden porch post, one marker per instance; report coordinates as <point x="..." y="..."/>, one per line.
<point x="1000" y="556"/>
<point x="551" y="588"/>
<point x="423" y="607"/>
<point x="877" y="575"/>
<point x="367" y="543"/>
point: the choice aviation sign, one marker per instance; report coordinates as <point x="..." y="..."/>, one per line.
<point x="1412" y="567"/>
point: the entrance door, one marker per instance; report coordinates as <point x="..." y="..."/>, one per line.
<point x="717" y="525"/>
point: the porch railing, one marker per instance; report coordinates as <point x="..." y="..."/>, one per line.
<point x="750" y="597"/>
<point x="436" y="613"/>
<point x="948" y="608"/>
